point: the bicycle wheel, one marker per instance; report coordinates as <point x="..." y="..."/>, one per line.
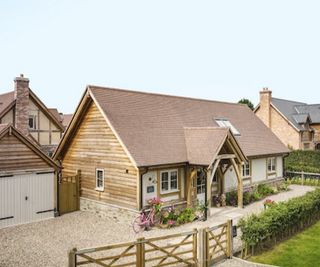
<point x="137" y="225"/>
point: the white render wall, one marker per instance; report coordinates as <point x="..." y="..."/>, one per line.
<point x="259" y="173"/>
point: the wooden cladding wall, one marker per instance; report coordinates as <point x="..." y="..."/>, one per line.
<point x="15" y="155"/>
<point x="95" y="146"/>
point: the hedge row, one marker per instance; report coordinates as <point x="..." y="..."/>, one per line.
<point x="303" y="160"/>
<point x="281" y="220"/>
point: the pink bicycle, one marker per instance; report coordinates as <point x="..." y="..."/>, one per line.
<point x="144" y="221"/>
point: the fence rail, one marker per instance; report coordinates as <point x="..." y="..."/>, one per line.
<point x="181" y="249"/>
<point x="303" y="177"/>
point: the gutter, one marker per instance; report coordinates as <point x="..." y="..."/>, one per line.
<point x="57" y="211"/>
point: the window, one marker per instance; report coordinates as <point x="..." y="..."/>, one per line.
<point x="169" y="181"/>
<point x="201" y="182"/>
<point x="99" y="179"/>
<point x="227" y="123"/>
<point x="32" y="122"/>
<point x="246" y="170"/>
<point x="271" y="165"/>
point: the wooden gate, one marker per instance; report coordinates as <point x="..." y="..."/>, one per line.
<point x="217" y="243"/>
<point x="69" y="199"/>
<point x="170" y="250"/>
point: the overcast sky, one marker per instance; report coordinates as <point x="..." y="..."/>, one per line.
<point x="222" y="50"/>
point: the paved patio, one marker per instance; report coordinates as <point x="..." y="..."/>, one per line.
<point x="46" y="243"/>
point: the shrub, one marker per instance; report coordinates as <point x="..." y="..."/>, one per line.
<point x="265" y="190"/>
<point x="303" y="160"/>
<point x="281" y="219"/>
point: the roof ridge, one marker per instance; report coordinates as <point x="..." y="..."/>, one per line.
<point x="303" y="103"/>
<point x="163" y="95"/>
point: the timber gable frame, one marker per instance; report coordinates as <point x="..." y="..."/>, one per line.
<point x="82" y="107"/>
<point x="9" y="129"/>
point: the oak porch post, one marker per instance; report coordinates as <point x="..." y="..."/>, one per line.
<point x="240" y="185"/>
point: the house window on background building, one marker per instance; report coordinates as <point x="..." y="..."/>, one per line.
<point x="32" y="122"/>
<point x="226" y="123"/>
<point x="169" y="181"/>
<point x="246" y="169"/>
<point x="271" y="165"/>
<point x="99" y="179"/>
<point x="306" y="146"/>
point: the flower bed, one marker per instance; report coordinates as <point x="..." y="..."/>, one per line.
<point x="280" y="220"/>
<point x="167" y="217"/>
<point x="255" y="193"/>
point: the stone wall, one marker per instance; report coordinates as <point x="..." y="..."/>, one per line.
<point x="108" y="211"/>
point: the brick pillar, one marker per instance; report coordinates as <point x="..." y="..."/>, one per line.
<point x="21" y="95"/>
<point x="265" y="109"/>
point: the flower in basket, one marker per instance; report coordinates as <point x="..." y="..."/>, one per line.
<point x="155" y="202"/>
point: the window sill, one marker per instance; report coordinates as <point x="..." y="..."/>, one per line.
<point x="99" y="189"/>
<point x="272" y="173"/>
<point x="169" y="192"/>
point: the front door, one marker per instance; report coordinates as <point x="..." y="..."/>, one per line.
<point x="201" y="186"/>
<point x="149" y="182"/>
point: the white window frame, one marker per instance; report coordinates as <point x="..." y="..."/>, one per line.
<point x="34" y="118"/>
<point x="226" y="123"/>
<point x="101" y="188"/>
<point x="246" y="167"/>
<point x="170" y="190"/>
<point x="273" y="166"/>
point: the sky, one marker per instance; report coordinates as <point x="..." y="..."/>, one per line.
<point x="221" y="50"/>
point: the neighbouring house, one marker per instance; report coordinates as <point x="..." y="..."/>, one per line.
<point x="133" y="146"/>
<point x="296" y="124"/>
<point x="27" y="113"/>
<point x="27" y="179"/>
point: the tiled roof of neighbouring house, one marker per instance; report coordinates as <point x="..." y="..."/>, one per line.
<point x="297" y="112"/>
<point x="152" y="126"/>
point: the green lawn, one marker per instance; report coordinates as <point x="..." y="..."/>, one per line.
<point x="301" y="250"/>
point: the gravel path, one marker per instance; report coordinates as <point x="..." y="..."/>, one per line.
<point x="46" y="243"/>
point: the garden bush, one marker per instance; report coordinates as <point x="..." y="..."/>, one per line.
<point x="281" y="220"/>
<point x="303" y="160"/>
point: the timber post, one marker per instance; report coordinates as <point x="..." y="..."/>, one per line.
<point x="140" y="252"/>
<point x="229" y="239"/>
<point x="302" y="178"/>
<point x="72" y="261"/>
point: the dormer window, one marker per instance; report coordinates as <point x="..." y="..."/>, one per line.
<point x="32" y="122"/>
<point x="228" y="124"/>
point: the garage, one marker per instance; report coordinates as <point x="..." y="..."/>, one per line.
<point x="27" y="180"/>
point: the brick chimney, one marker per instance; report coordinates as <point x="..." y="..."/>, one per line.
<point x="21" y="95"/>
<point x="265" y="109"/>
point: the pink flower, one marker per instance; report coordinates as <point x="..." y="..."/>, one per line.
<point x="171" y="222"/>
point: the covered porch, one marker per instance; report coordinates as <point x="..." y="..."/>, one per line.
<point x="212" y="152"/>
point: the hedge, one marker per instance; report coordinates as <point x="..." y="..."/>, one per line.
<point x="303" y="160"/>
<point x="281" y="220"/>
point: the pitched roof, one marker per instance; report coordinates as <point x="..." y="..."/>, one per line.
<point x="204" y="143"/>
<point x="5" y="100"/>
<point x="66" y="118"/>
<point x="151" y="126"/>
<point x="297" y="112"/>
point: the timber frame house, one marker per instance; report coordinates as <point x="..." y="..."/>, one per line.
<point x="133" y="146"/>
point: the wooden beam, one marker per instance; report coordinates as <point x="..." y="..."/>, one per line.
<point x="209" y="181"/>
<point x="240" y="185"/>
<point x="227" y="168"/>
<point x="191" y="176"/>
<point x="226" y="156"/>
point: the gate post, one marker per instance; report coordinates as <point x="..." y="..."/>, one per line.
<point x="140" y="253"/>
<point x="229" y="239"/>
<point x="72" y="261"/>
<point x="203" y="248"/>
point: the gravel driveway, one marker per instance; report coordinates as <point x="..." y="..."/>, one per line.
<point x="46" y="243"/>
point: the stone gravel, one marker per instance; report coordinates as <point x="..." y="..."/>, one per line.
<point x="236" y="262"/>
<point x="47" y="243"/>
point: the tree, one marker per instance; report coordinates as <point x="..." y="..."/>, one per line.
<point x="247" y="102"/>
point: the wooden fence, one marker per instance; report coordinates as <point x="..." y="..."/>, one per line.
<point x="304" y="177"/>
<point x="194" y="248"/>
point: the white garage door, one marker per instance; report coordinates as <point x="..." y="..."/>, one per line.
<point x="26" y="198"/>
